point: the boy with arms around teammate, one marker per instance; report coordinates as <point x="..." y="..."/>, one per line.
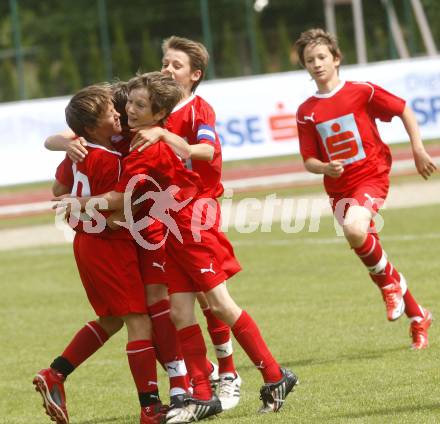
<point x="339" y="138"/>
<point x="193" y="119"/>
<point x="193" y="266"/>
<point x="107" y="262"/>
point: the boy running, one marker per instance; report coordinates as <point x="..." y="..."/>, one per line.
<point x="339" y="138"/>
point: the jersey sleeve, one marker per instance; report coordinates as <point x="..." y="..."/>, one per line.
<point x="64" y="173"/>
<point x="383" y="105"/>
<point x="308" y="141"/>
<point x="205" y="125"/>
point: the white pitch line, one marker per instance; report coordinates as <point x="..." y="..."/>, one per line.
<point x="330" y="240"/>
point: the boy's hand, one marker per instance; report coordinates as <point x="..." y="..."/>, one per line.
<point x="70" y="202"/>
<point x="76" y="149"/>
<point x="334" y="168"/>
<point x="424" y="163"/>
<point x="145" y="138"/>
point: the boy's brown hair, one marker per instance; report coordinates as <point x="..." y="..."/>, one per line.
<point x="164" y="92"/>
<point x="314" y="37"/>
<point x="120" y="96"/>
<point x="197" y="53"/>
<point x="86" y="107"/>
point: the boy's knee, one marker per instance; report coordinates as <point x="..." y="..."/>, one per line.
<point x="155" y="293"/>
<point x="354" y="234"/>
<point x="111" y="325"/>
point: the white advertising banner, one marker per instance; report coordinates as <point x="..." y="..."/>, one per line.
<point x="255" y="115"/>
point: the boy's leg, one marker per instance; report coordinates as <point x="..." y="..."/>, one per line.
<point x="220" y="334"/>
<point x="166" y="341"/>
<point x="361" y="235"/>
<point x="49" y="382"/>
<point x="245" y="331"/>
<point x="142" y="361"/>
<point x="369" y="250"/>
<point x="224" y="377"/>
<point x="203" y="403"/>
<point x="279" y="382"/>
<point x="360" y="232"/>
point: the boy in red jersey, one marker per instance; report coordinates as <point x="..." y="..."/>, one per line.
<point x="151" y="261"/>
<point x="192" y="264"/>
<point x="339" y="138"/>
<point x="107" y="263"/>
<point x="193" y="119"/>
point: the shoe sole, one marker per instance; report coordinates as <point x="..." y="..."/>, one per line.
<point x="52" y="409"/>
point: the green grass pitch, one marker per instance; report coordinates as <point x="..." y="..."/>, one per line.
<point x="318" y="310"/>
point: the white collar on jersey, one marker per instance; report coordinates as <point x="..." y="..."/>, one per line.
<point x="330" y="93"/>
<point x="98" y="146"/>
<point x="181" y="105"/>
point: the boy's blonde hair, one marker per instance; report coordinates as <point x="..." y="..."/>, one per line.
<point x="87" y="107"/>
<point x="197" y="53"/>
<point x="314" y="37"/>
<point x="164" y="92"/>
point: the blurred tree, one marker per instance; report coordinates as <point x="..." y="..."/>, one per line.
<point x="9" y="85"/>
<point x="95" y="65"/>
<point x="45" y="73"/>
<point x="150" y="57"/>
<point x="261" y="46"/>
<point x="122" y="67"/>
<point x="68" y="77"/>
<point x="44" y="23"/>
<point x="230" y="66"/>
<point x="284" y="46"/>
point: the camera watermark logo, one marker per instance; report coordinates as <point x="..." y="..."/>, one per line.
<point x="190" y="217"/>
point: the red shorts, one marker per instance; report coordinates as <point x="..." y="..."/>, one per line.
<point x="152" y="261"/>
<point x="109" y="271"/>
<point x="204" y="260"/>
<point x="152" y="265"/>
<point x="370" y="194"/>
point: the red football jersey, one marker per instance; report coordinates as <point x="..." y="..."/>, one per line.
<point x="194" y="120"/>
<point x="341" y="125"/>
<point x="98" y="173"/>
<point x="163" y="169"/>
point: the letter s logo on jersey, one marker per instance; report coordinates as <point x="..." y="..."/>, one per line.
<point x="341" y="139"/>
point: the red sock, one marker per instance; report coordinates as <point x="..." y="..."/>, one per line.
<point x="248" y="335"/>
<point x="194" y="352"/>
<point x="142" y="360"/>
<point x="412" y="308"/>
<point x="371" y="252"/>
<point x="221" y="338"/>
<point x="85" y="343"/>
<point x="168" y="346"/>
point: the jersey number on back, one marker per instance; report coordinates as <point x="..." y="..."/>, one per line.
<point x="81" y="185"/>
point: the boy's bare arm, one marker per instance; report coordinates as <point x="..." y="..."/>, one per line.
<point x="69" y="143"/>
<point x="424" y="163"/>
<point x="147" y="137"/>
<point x="119" y="216"/>
<point x="59" y="189"/>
